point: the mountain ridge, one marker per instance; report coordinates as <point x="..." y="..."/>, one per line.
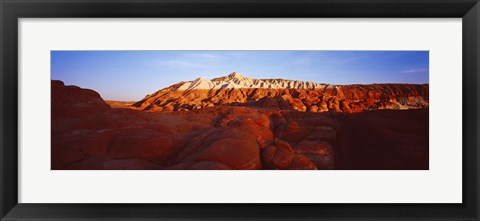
<point x="235" y="89"/>
<point x="235" y="80"/>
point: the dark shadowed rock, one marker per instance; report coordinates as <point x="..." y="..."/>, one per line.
<point x="75" y="101"/>
<point x="319" y="152"/>
<point x="301" y="162"/>
<point x="277" y="155"/>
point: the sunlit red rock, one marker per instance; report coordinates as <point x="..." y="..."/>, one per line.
<point x="291" y="125"/>
<point x="281" y="94"/>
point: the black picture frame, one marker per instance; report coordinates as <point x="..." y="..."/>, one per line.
<point x="12" y="10"/>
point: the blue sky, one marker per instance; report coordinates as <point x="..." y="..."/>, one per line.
<point x="130" y="75"/>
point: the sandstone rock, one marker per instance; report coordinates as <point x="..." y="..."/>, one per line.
<point x="323" y="107"/>
<point x="313" y="108"/>
<point x="301" y="162"/>
<point x="277" y="155"/>
<point x="208" y="165"/>
<point x="293" y="132"/>
<point x="237" y="132"/>
<point x="63" y="157"/>
<point x="319" y="152"/>
<point x="345" y="106"/>
<point x="326" y="133"/>
<point x="236" y="153"/>
<point x="144" y="144"/>
<point x="297" y="104"/>
<point x="282" y="94"/>
<point x="74" y="101"/>
<point x="99" y="163"/>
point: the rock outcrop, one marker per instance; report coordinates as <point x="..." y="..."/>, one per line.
<point x="280" y="94"/>
<point x="88" y="134"/>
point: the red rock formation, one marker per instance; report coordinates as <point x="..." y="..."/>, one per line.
<point x="74" y="101"/>
<point x="281" y="94"/>
<point x="277" y="155"/>
<point x="88" y="134"/>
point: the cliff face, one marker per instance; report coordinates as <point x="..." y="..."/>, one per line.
<point x="280" y="94"/>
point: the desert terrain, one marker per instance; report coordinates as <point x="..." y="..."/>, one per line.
<point x="240" y="123"/>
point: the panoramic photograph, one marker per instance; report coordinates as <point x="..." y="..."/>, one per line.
<point x="239" y="110"/>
